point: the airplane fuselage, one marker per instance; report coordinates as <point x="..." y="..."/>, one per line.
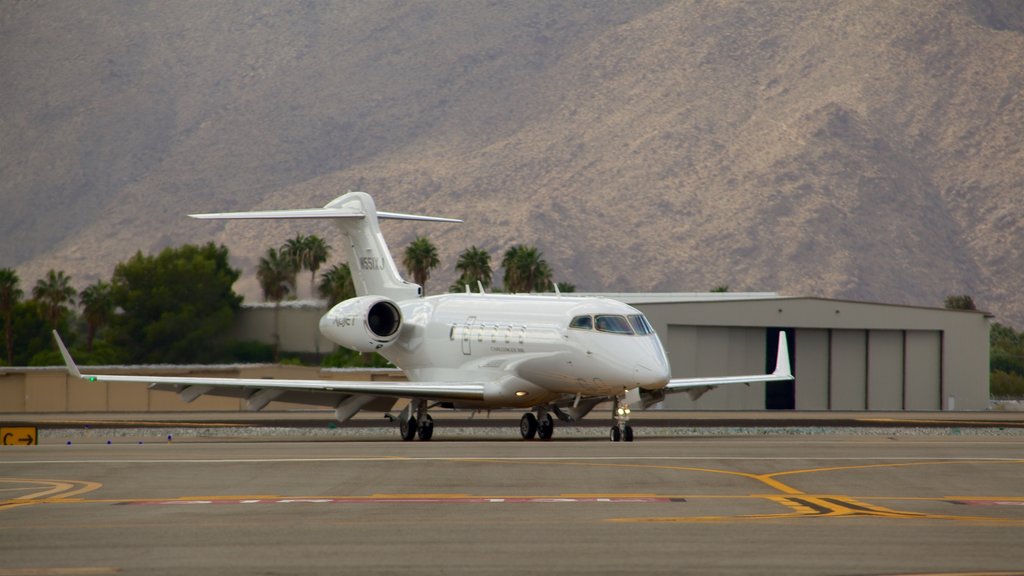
<point x="523" y="348"/>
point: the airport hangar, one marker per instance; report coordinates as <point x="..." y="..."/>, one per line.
<point x="846" y="355"/>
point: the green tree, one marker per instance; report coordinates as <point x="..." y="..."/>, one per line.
<point x="720" y="288"/>
<point x="307" y="253"/>
<point x="276" y="273"/>
<point x="177" y="306"/>
<point x="55" y="293"/>
<point x="420" y="258"/>
<point x="1006" y="362"/>
<point x="960" y="302"/>
<point x="526" y="270"/>
<point x="32" y="337"/>
<point x="566" y="287"/>
<point x="336" y="284"/>
<point x="473" y="266"/>
<point x="9" y="296"/>
<point x="97" y="302"/>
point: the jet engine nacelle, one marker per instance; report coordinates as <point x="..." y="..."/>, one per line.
<point x="364" y="324"/>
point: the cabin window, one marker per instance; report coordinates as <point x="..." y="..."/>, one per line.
<point x="613" y="324"/>
<point x="582" y="323"/>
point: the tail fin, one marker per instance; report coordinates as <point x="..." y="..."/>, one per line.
<point x="373" y="269"/>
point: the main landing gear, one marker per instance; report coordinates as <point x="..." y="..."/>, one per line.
<point x="541" y="426"/>
<point x="411" y="425"/>
<point x="621" y="430"/>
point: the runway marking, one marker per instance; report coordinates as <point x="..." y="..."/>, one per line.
<point x="83" y="571"/>
<point x="58" y="490"/>
<point x="538" y="459"/>
<point x="993" y="502"/>
<point x="798" y="503"/>
<point x="962" y="574"/>
<point x="412" y="499"/>
<point x="804" y="505"/>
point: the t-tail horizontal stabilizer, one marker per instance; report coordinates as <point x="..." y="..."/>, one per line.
<point x="373" y="270"/>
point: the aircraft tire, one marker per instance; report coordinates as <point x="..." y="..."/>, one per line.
<point x="425" y="430"/>
<point x="615" y="435"/>
<point x="407" y="428"/>
<point x="627" y="434"/>
<point x="546" y="427"/>
<point x="528" y="426"/>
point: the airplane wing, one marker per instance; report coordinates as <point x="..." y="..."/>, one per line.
<point x="697" y="386"/>
<point x="193" y="387"/>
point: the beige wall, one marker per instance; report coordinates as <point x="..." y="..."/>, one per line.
<point x="47" y="390"/>
<point x="298" y="326"/>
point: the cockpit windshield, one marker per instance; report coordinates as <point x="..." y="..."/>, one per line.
<point x="582" y="323"/>
<point x="613" y="324"/>
<point x="640" y="324"/>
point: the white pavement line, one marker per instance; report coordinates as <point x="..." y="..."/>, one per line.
<point x="401" y="459"/>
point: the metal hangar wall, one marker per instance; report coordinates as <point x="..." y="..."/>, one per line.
<point x="845" y="355"/>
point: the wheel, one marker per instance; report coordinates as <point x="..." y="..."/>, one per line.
<point x="545" y="427"/>
<point x="407" y="428"/>
<point x="615" y="435"/>
<point x="528" y="426"/>
<point x="425" y="430"/>
<point x="627" y="434"/>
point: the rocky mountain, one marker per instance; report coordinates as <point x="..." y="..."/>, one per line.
<point x="866" y="150"/>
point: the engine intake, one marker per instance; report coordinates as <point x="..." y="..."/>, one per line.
<point x="364" y="324"/>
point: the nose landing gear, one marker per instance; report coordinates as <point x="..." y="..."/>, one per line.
<point x="621" y="430"/>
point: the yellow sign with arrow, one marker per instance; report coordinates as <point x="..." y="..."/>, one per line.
<point x="19" y="436"/>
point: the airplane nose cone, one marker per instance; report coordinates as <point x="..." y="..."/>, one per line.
<point x="648" y="375"/>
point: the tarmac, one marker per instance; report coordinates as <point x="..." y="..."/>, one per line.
<point x="839" y="500"/>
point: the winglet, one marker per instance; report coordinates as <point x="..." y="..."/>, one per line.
<point x="68" y="361"/>
<point x="782" y="366"/>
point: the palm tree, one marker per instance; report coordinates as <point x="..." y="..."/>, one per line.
<point x="97" y="302"/>
<point x="9" y="296"/>
<point x="276" y="273"/>
<point x="317" y="251"/>
<point x="294" y="251"/>
<point x="525" y="270"/>
<point x="474" y="265"/>
<point x="420" y="258"/>
<point x="56" y="293"/>
<point x="336" y="284"/>
<point x="307" y="253"/>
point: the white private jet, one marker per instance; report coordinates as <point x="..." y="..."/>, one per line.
<point x="545" y="354"/>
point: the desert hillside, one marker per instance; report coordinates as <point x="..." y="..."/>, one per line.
<point x="864" y="150"/>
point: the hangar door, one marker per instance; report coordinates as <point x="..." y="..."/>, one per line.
<point x="869" y="369"/>
<point x="922" y="380"/>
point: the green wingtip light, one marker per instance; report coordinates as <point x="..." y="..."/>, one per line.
<point x="92" y="379"/>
